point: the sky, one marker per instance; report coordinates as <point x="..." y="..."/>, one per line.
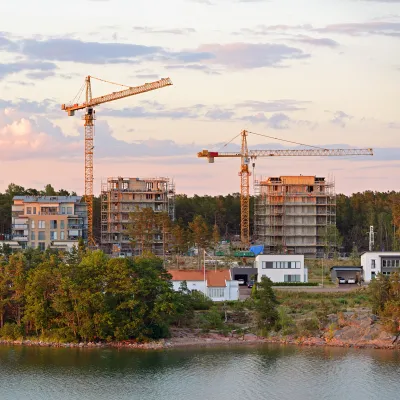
<point x="324" y="73"/>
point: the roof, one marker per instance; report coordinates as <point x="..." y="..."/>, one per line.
<point x="214" y="278"/>
<point x="346" y="268"/>
<point x="49" y="199"/>
<point x="218" y="278"/>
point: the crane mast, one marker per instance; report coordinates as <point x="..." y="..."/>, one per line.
<point x="89" y="119"/>
<point x="246" y="155"/>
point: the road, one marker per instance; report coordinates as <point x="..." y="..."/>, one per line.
<point x="244" y="291"/>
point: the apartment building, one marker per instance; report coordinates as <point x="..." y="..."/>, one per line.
<point x="43" y="221"/>
<point x="293" y="213"/>
<point x="122" y="196"/>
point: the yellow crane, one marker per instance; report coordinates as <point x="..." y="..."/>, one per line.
<point x="246" y="155"/>
<point x="89" y="118"/>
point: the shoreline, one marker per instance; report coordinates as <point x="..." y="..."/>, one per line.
<point x="214" y="340"/>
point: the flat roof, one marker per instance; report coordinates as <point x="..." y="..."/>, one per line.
<point x="49" y="199"/>
<point x="344" y="268"/>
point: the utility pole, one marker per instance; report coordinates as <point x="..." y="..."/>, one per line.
<point x="371" y="234"/>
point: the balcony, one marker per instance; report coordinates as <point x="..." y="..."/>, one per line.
<point x="20" y="227"/>
<point x="20" y="238"/>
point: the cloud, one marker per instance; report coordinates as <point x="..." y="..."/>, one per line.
<point x="326" y="42"/>
<point x="172" y="31"/>
<point x="249" y="55"/>
<point x="20" y="66"/>
<point x="45" y="106"/>
<point x="340" y="118"/>
<point x="276" y="121"/>
<point x="196" y="67"/>
<point x="233" y="55"/>
<point x="219" y="114"/>
<point x="273" y="105"/>
<point x="364" y="28"/>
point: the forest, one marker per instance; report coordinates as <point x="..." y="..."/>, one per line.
<point x="355" y="214"/>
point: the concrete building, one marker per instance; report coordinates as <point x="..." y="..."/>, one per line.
<point x="292" y="214"/>
<point x="281" y="268"/>
<point x="122" y="196"/>
<point x="384" y="262"/>
<point x="217" y="285"/>
<point x="41" y="221"/>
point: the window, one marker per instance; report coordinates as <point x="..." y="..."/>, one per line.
<point x="292" y="278"/>
<point x="62" y="235"/>
<point x="62" y="224"/>
<point x="53" y="224"/>
<point x="41" y="236"/>
<point x="267" y="264"/>
<point x="33" y="235"/>
<point x="42" y="224"/>
<point x="53" y="235"/>
<point x="62" y="210"/>
<point x="29" y="210"/>
<point x="372" y="264"/>
<point x="34" y="210"/>
<point x="69" y="210"/>
<point x="216" y="292"/>
<point x="33" y="224"/>
<point x="33" y="245"/>
<point x="149" y="196"/>
<point x="42" y="246"/>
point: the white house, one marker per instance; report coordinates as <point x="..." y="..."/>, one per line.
<point x="384" y="262"/>
<point x="217" y="285"/>
<point x="281" y="268"/>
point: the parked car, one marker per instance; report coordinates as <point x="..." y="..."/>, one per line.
<point x="250" y="284"/>
<point x="241" y="281"/>
<point x="351" y="280"/>
<point x="342" y="280"/>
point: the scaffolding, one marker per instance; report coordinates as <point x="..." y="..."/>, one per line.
<point x="293" y="214"/>
<point x="122" y="196"/>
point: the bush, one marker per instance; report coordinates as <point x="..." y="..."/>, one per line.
<point x="11" y="331"/>
<point x="212" y="319"/>
<point x="308" y="326"/>
<point x="199" y="301"/>
<point x="285" y="322"/>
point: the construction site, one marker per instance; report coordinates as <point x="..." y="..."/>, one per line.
<point x="122" y="196"/>
<point x="292" y="214"/>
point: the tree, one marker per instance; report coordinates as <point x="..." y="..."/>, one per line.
<point x="265" y="304"/>
<point x="200" y="233"/>
<point x="332" y="240"/>
<point x="49" y="190"/>
<point x="216" y="237"/>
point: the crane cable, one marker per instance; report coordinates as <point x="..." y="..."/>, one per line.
<point x="79" y="94"/>
<point x="287" y="141"/>
<point x="226" y="144"/>
<point x="113" y="83"/>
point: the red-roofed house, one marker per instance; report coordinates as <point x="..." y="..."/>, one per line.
<point x="217" y="285"/>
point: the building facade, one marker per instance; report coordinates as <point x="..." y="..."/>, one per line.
<point x="384" y="262"/>
<point x="217" y="285"/>
<point x="48" y="221"/>
<point x="281" y="268"/>
<point x="122" y="196"/>
<point x="293" y="215"/>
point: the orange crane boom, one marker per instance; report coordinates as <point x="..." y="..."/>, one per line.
<point x="89" y="118"/>
<point x="246" y="155"/>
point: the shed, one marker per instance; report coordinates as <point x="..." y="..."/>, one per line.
<point x="347" y="273"/>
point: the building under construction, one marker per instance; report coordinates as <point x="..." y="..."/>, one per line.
<point x="292" y="214"/>
<point x="122" y="196"/>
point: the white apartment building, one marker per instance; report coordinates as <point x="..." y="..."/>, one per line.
<point x="281" y="268"/>
<point x="43" y="221"/>
<point x="384" y="262"/>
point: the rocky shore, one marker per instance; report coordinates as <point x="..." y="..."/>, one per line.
<point x="352" y="330"/>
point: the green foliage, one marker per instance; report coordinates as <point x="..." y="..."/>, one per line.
<point x="265" y="305"/>
<point x="86" y="296"/>
<point x="385" y="293"/>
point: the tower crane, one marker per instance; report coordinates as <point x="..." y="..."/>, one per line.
<point x="89" y="119"/>
<point x="246" y="155"/>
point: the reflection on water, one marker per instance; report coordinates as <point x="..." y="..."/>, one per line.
<point x="264" y="372"/>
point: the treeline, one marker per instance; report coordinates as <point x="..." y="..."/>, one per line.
<point x="355" y="214"/>
<point x="87" y="296"/>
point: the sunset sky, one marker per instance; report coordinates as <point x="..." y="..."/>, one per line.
<point x="320" y="72"/>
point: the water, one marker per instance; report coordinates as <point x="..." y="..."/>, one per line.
<point x="264" y="372"/>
